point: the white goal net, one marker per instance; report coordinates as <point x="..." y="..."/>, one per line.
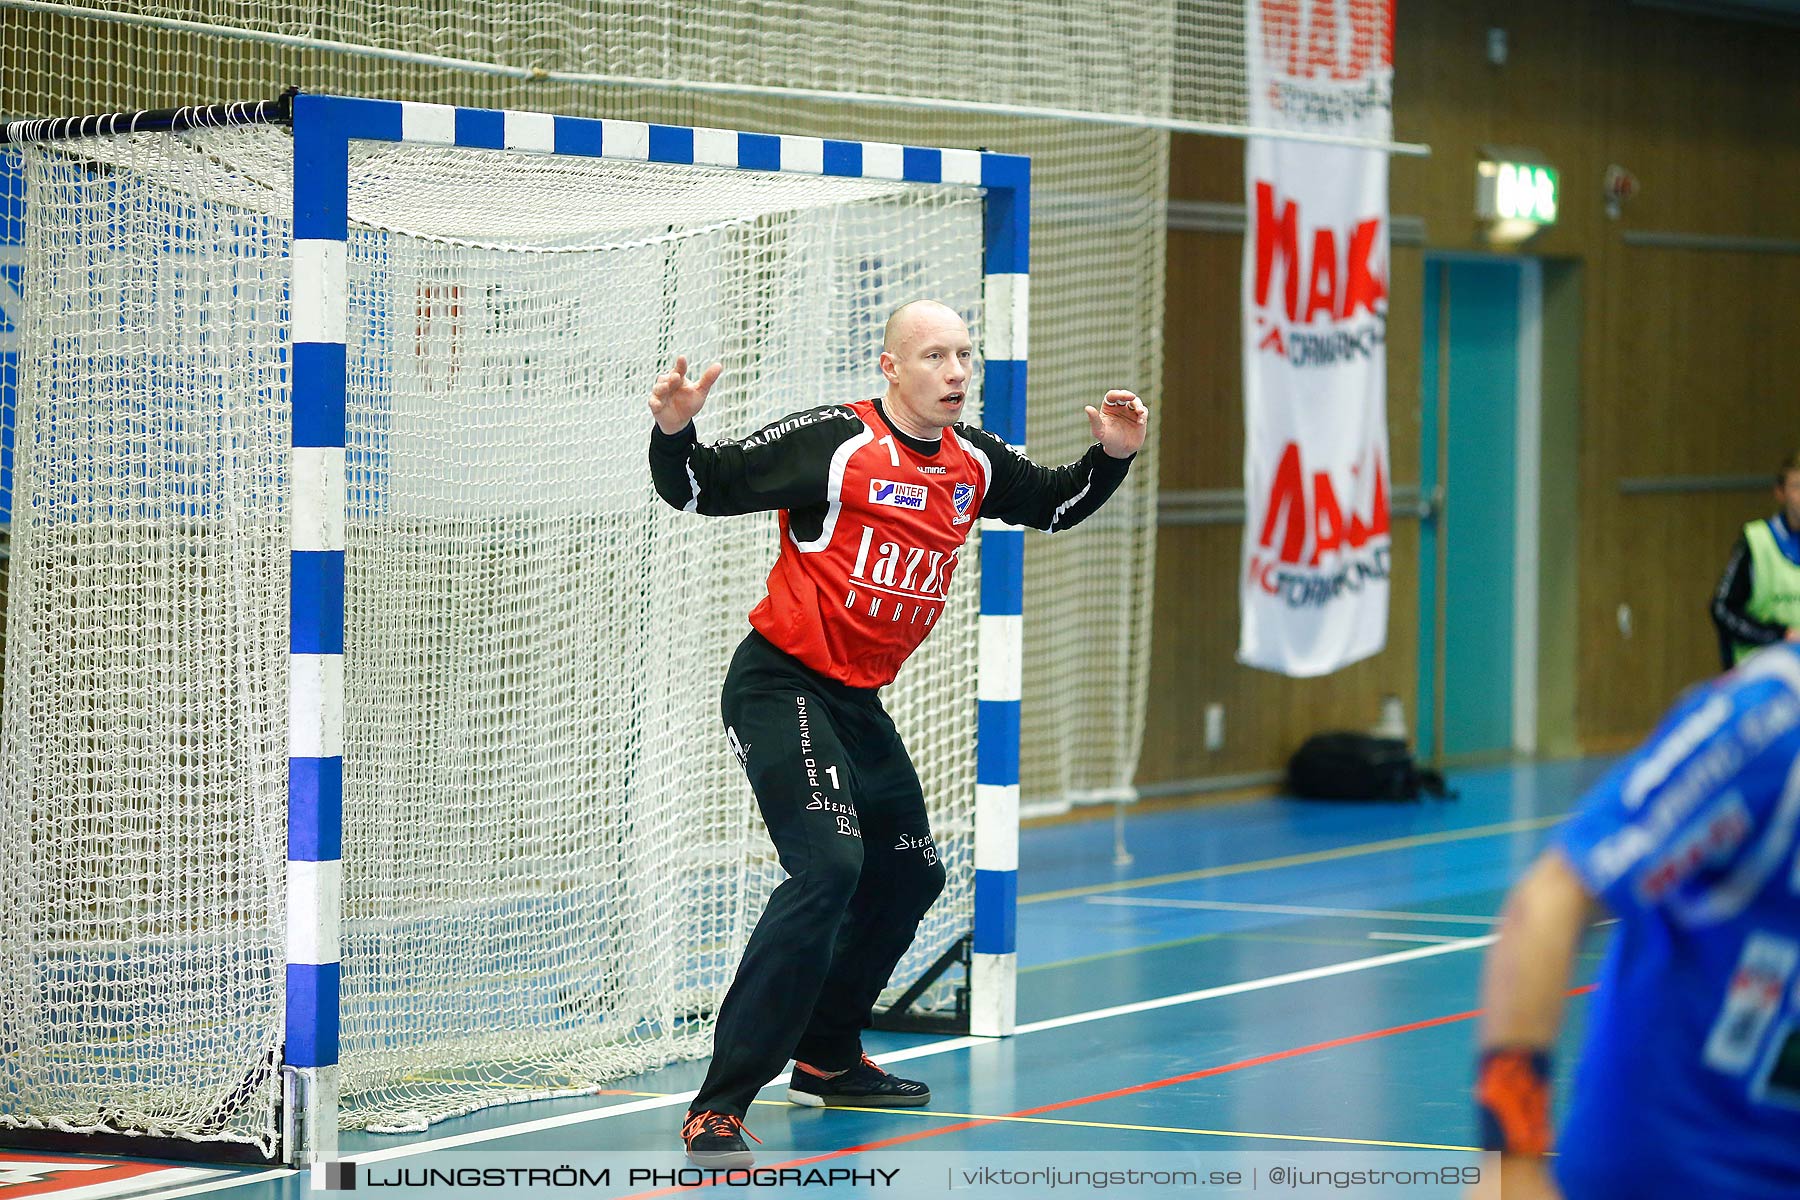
<point x="551" y="860"/>
<point x="1099" y="196"/>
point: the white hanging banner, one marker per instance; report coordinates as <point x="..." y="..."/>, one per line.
<point x="1316" y="546"/>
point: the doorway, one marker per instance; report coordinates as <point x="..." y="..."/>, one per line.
<point x="1479" y="460"/>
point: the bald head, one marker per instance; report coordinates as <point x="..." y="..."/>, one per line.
<point x="906" y="322"/>
<point x="927" y="358"/>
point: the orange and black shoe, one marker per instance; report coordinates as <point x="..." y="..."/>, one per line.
<point x="716" y="1139"/>
<point x="863" y="1086"/>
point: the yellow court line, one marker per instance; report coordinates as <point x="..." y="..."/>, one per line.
<point x="1300" y="860"/>
<point x="1230" y="1133"/>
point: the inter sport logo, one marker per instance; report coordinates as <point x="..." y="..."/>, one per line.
<point x="897" y="495"/>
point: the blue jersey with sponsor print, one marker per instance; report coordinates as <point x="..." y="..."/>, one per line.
<point x="1689" y="1085"/>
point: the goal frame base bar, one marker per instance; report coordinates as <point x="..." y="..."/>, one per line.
<point x="901" y="1017"/>
<point x="131" y="1145"/>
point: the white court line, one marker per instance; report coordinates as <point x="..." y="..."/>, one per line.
<point x="111" y="1187"/>
<point x="434" y="1145"/>
<point x="1293" y="910"/>
<point x="218" y="1185"/>
<point x="125" y="1184"/>
<point x="1257" y="985"/>
<point x="126" y="1187"/>
<point x="1411" y="937"/>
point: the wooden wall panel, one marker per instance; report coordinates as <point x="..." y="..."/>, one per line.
<point x="1687" y="361"/>
<point x="1202" y="427"/>
<point x="1266" y="716"/>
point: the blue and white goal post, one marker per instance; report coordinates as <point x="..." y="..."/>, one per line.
<point x="547" y="767"/>
<point x="323" y="128"/>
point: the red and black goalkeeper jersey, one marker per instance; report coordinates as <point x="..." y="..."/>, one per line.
<point x="872" y="521"/>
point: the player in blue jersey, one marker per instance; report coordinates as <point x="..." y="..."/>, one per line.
<point x="1689" y="1084"/>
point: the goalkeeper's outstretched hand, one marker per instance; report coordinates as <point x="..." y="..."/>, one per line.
<point x="1119" y="424"/>
<point x="674" y="401"/>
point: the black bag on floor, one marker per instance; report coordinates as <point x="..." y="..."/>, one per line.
<point x="1359" y="766"/>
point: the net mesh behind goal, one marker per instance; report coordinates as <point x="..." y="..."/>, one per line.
<point x="1098" y="206"/>
<point x="551" y="859"/>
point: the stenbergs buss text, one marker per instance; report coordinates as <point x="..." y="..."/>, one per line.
<point x="1346" y="286"/>
<point x="1309" y="551"/>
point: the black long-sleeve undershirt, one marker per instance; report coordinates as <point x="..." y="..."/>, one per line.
<point x="786" y="464"/>
<point x="1729" y="608"/>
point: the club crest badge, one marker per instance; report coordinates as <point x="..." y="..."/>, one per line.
<point x="960" y="500"/>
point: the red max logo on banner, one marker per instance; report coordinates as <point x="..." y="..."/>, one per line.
<point x="1294" y="510"/>
<point x="1335" y="293"/>
<point x="1310" y="45"/>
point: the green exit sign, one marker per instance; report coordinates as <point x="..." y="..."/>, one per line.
<point x="1516" y="191"/>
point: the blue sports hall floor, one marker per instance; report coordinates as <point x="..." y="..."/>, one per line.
<point x="1267" y="981"/>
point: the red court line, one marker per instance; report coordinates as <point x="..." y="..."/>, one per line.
<point x="1227" y="1068"/>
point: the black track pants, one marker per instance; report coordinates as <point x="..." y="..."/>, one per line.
<point x="845" y="810"/>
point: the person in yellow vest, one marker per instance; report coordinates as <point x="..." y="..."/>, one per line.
<point x="1757" y="601"/>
